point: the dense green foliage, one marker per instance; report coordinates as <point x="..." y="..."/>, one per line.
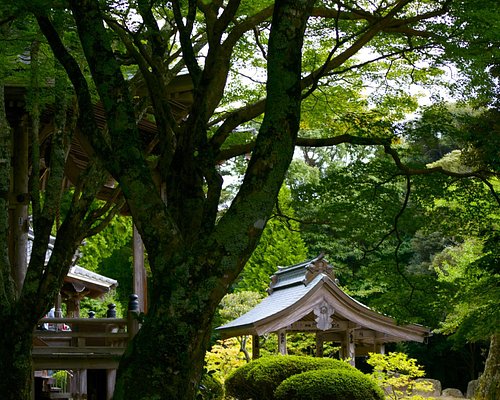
<point x="281" y="244"/>
<point x="259" y="379"/>
<point x="409" y="242"/>
<point x="329" y="384"/>
<point x="396" y="373"/>
<point x="210" y="388"/>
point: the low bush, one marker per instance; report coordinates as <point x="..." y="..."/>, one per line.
<point x="327" y="384"/>
<point x="210" y="388"/>
<point x="259" y="379"/>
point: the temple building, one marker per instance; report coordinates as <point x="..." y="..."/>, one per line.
<point x="306" y="297"/>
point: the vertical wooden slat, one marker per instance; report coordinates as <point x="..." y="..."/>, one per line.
<point x="140" y="279"/>
<point x="319" y="344"/>
<point x="20" y="197"/>
<point x="255" y="347"/>
<point x="282" y="342"/>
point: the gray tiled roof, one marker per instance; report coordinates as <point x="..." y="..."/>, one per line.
<point x="295" y="291"/>
<point x="84" y="274"/>
<point x="278" y="301"/>
<point x="75" y="271"/>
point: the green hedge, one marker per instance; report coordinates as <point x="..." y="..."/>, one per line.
<point x="335" y="384"/>
<point x="259" y="379"/>
<point x="210" y="388"/>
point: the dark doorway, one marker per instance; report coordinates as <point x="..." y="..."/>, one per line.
<point x="96" y="384"/>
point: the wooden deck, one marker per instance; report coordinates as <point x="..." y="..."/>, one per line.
<point x="92" y="343"/>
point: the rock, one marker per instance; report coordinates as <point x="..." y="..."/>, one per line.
<point x="452" y="393"/>
<point x="435" y="388"/>
<point x="471" y="388"/>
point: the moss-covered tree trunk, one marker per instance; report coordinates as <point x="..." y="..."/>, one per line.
<point x="489" y="382"/>
<point x="193" y="256"/>
<point x="23" y="304"/>
<point x="15" y="334"/>
<point x="15" y="355"/>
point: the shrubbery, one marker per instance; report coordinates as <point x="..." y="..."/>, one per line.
<point x="329" y="384"/>
<point x="259" y="379"/>
<point x="210" y="388"/>
<point x="396" y="373"/>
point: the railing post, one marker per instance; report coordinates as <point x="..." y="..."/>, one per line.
<point x="111" y="313"/>
<point x="133" y="312"/>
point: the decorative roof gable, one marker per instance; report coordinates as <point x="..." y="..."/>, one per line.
<point x="300" y="274"/>
<point x="307" y="295"/>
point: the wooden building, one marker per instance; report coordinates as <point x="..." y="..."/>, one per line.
<point x="179" y="95"/>
<point x="307" y="298"/>
<point x="86" y="348"/>
<point x="93" y="346"/>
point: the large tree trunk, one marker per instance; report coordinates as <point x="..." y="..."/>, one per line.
<point x="16" y="369"/>
<point x="193" y="261"/>
<point x="489" y="383"/>
<point x="165" y="360"/>
<point x="15" y="334"/>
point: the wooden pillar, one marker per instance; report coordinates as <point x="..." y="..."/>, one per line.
<point x="379" y="348"/>
<point x="140" y="279"/>
<point x="132" y="322"/>
<point x="282" y="342"/>
<point x="78" y="385"/>
<point x="73" y="303"/>
<point x="255" y="347"/>
<point x="58" y="307"/>
<point x="110" y="381"/>
<point x="348" y="347"/>
<point x="319" y="344"/>
<point x="20" y="199"/>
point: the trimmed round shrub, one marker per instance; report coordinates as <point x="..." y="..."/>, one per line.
<point x="329" y="384"/>
<point x="259" y="379"/>
<point x="210" y="388"/>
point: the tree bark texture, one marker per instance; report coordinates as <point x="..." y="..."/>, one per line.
<point x="192" y="263"/>
<point x="15" y="357"/>
<point x="167" y="355"/>
<point x="489" y="382"/>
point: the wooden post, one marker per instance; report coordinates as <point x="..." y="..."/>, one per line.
<point x="58" y="306"/>
<point x="133" y="311"/>
<point x="282" y="342"/>
<point x="140" y="279"/>
<point x="255" y="347"/>
<point x="111" y="373"/>
<point x="319" y="344"/>
<point x="73" y="304"/>
<point x="79" y="384"/>
<point x="19" y="215"/>
<point x="379" y="348"/>
<point x="350" y="348"/>
<point x="110" y="380"/>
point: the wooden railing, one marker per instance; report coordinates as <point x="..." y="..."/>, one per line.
<point x="82" y="343"/>
<point x="91" y="343"/>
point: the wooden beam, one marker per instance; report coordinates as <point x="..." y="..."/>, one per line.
<point x="110" y="383"/>
<point x="255" y="347"/>
<point x="348" y="347"/>
<point x="319" y="344"/>
<point x="75" y="364"/>
<point x="282" y="342"/>
<point x="77" y="352"/>
<point x="140" y="278"/>
<point x="19" y="213"/>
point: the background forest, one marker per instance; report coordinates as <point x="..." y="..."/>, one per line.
<point x="422" y="251"/>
